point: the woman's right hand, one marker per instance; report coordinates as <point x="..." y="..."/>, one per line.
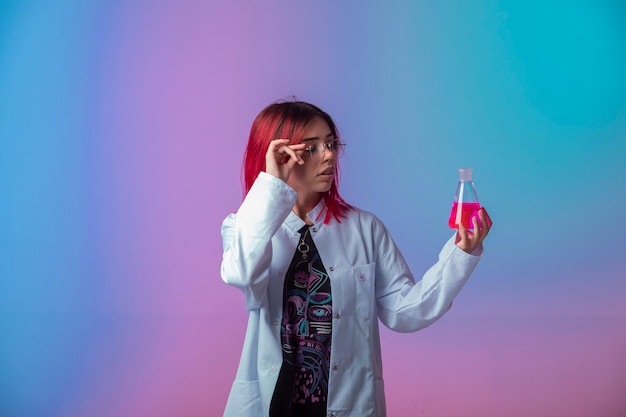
<point x="281" y="158"/>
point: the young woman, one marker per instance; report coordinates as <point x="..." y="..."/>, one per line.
<point x="318" y="273"/>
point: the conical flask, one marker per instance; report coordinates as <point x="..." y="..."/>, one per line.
<point x="465" y="205"/>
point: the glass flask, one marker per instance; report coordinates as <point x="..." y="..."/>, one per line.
<point x="465" y="205"/>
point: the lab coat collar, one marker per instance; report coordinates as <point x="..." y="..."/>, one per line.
<point x="294" y="222"/>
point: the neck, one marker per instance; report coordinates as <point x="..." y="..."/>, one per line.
<point x="304" y="205"/>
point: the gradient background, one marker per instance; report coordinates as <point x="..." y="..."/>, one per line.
<point x="122" y="129"/>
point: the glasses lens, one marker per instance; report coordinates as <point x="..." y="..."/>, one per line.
<point x="317" y="150"/>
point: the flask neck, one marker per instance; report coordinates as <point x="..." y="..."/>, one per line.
<point x="466" y="193"/>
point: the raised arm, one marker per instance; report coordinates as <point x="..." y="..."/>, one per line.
<point x="246" y="235"/>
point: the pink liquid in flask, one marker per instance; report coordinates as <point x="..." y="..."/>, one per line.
<point x="464" y="213"/>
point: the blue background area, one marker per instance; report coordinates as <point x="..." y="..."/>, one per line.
<point x="122" y="129"/>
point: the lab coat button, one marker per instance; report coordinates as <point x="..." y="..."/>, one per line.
<point x="275" y="322"/>
<point x="362" y="277"/>
<point x="332" y="268"/>
<point x="335" y="367"/>
<point x="337" y="316"/>
<point x="331" y="415"/>
<point x="273" y="370"/>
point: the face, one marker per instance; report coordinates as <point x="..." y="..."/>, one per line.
<point x="315" y="177"/>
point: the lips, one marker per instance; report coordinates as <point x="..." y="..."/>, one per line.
<point x="329" y="171"/>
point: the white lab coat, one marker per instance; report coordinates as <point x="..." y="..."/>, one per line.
<point x="370" y="280"/>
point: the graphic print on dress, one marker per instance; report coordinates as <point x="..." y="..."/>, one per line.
<point x="307" y="325"/>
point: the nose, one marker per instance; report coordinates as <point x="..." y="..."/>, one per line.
<point x="329" y="154"/>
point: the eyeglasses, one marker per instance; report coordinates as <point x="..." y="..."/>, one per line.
<point x="318" y="149"/>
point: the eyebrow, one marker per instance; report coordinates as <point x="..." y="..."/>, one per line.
<point x="330" y="135"/>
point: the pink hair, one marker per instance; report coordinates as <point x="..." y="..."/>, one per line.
<point x="288" y="119"/>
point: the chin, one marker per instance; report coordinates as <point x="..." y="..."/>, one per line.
<point x="323" y="189"/>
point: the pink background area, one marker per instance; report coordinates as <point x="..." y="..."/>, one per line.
<point x="122" y="129"/>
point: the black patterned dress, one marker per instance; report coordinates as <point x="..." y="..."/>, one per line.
<point x="302" y="387"/>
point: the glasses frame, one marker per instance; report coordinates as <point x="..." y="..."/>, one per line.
<point x="336" y="143"/>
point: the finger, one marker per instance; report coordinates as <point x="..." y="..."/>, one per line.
<point x="298" y="146"/>
<point x="273" y="147"/>
<point x="465" y="240"/>
<point x="277" y="143"/>
<point x="295" y="156"/>
<point x="486" y="224"/>
<point x="481" y="228"/>
<point x="280" y="146"/>
<point x="489" y="222"/>
<point x="299" y="150"/>
<point x="484" y="227"/>
<point x="463" y="235"/>
<point x="476" y="225"/>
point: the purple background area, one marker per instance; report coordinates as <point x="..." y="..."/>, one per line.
<point x="122" y="129"/>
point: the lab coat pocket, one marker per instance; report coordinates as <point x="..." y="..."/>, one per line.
<point x="244" y="400"/>
<point x="364" y="290"/>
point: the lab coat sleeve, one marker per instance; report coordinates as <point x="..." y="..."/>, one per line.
<point x="247" y="234"/>
<point x="405" y="305"/>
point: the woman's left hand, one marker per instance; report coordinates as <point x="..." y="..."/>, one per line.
<point x="468" y="241"/>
